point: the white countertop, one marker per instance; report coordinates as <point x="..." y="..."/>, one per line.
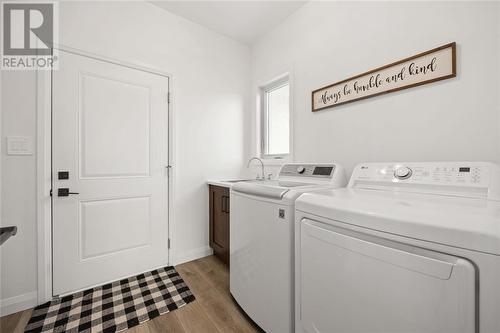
<point x="227" y="183"/>
<point x="220" y="183"/>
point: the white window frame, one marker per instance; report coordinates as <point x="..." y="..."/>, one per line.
<point x="263" y="133"/>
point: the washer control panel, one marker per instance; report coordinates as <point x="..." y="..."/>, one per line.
<point x="307" y="170"/>
<point x="453" y="174"/>
<point x="464" y="179"/>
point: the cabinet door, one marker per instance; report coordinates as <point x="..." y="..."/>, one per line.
<point x="219" y="222"/>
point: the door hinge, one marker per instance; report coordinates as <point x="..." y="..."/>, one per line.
<point x="50" y="193"/>
<point x="169" y="98"/>
<point x="168" y="245"/>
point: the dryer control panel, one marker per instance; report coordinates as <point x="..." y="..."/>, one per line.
<point x="307" y="170"/>
<point x="468" y="178"/>
<point x="328" y="174"/>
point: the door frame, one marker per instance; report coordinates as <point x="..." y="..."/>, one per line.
<point x="44" y="165"/>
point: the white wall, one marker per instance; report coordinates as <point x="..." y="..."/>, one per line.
<point x="210" y="90"/>
<point x="325" y="42"/>
<point x="18" y="187"/>
<point x="498" y="65"/>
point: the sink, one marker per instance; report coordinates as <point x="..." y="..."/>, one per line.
<point x="240" y="180"/>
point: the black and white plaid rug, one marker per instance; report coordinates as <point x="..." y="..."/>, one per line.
<point x="115" y="306"/>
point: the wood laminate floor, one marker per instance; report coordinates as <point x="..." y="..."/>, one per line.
<point x="213" y="311"/>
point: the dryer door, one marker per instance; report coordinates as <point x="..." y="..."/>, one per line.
<point x="352" y="282"/>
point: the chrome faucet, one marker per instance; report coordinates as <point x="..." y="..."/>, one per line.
<point x="261" y="164"/>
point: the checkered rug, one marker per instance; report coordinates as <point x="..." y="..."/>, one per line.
<point x="113" y="307"/>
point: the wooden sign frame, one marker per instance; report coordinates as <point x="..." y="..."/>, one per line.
<point x="336" y="90"/>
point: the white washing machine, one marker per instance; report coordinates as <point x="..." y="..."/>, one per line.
<point x="261" y="241"/>
<point x="406" y="247"/>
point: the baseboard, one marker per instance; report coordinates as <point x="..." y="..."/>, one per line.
<point x="18" y="303"/>
<point x="186" y="256"/>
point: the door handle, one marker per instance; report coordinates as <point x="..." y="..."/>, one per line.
<point x="64" y="192"/>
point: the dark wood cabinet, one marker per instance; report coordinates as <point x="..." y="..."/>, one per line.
<point x="219" y="222"/>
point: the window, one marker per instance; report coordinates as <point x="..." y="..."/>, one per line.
<point x="275" y="118"/>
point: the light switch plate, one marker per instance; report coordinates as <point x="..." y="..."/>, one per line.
<point x="19" y="145"/>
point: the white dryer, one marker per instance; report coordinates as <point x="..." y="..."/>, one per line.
<point x="406" y="247"/>
<point x="262" y="241"/>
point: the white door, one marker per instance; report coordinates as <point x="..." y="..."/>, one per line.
<point x="353" y="283"/>
<point x="110" y="134"/>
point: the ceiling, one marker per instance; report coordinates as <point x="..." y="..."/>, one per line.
<point x="244" y="21"/>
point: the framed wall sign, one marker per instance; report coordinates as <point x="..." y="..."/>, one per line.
<point x="430" y="66"/>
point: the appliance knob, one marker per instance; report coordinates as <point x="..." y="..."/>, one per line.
<point x="301" y="169"/>
<point x="402" y="173"/>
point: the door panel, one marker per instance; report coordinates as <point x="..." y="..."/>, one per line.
<point x="110" y="132"/>
<point x="114" y="131"/>
<point x="128" y="218"/>
<point x="351" y="282"/>
<point x="218" y="217"/>
<point x="219" y="222"/>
